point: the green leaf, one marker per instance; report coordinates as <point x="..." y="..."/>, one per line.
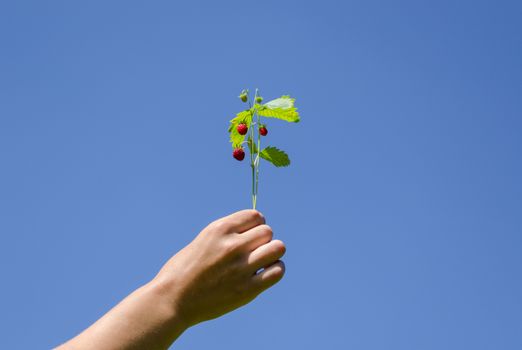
<point x="275" y="156"/>
<point x="236" y="138"/>
<point x="281" y="108"/>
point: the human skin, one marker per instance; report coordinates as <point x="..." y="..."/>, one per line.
<point x="216" y="273"/>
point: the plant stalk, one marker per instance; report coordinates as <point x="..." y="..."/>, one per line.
<point x="258" y="160"/>
<point x="254" y="160"/>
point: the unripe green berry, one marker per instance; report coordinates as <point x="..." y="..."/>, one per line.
<point x="259" y="99"/>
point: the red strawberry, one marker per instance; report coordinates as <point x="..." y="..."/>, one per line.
<point x="242" y="129"/>
<point x="239" y="154"/>
<point x="263" y="131"/>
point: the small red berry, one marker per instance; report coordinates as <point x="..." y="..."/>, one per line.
<point x="263" y="131"/>
<point x="239" y="154"/>
<point x="242" y="129"/>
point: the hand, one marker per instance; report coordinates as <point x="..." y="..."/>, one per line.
<point x="226" y="266"/>
<point x="219" y="270"/>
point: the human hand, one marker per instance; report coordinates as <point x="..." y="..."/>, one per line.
<point x="218" y="271"/>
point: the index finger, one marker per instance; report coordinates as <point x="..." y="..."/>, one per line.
<point x="244" y="220"/>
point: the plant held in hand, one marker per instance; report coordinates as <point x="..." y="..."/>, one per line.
<point x="250" y="120"/>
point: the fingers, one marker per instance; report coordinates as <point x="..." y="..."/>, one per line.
<point x="269" y="276"/>
<point x="243" y="220"/>
<point x="256" y="237"/>
<point x="266" y="255"/>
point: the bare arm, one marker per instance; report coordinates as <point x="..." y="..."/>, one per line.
<point x="213" y="275"/>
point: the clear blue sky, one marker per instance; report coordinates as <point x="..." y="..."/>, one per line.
<point x="402" y="210"/>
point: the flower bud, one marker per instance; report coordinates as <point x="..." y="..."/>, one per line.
<point x="244" y="95"/>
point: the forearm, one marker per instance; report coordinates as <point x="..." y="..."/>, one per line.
<point x="146" y="319"/>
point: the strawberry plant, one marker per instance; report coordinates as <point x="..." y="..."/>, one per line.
<point x="246" y="128"/>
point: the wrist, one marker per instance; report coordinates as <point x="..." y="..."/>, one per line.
<point x="169" y="301"/>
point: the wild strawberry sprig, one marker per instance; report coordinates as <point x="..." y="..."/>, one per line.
<point x="250" y="120"/>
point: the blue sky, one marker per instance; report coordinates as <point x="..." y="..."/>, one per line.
<point x="402" y="210"/>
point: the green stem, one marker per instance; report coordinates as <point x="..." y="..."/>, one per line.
<point x="252" y="165"/>
<point x="253" y="187"/>
<point x="258" y="160"/>
<point x="253" y="161"/>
